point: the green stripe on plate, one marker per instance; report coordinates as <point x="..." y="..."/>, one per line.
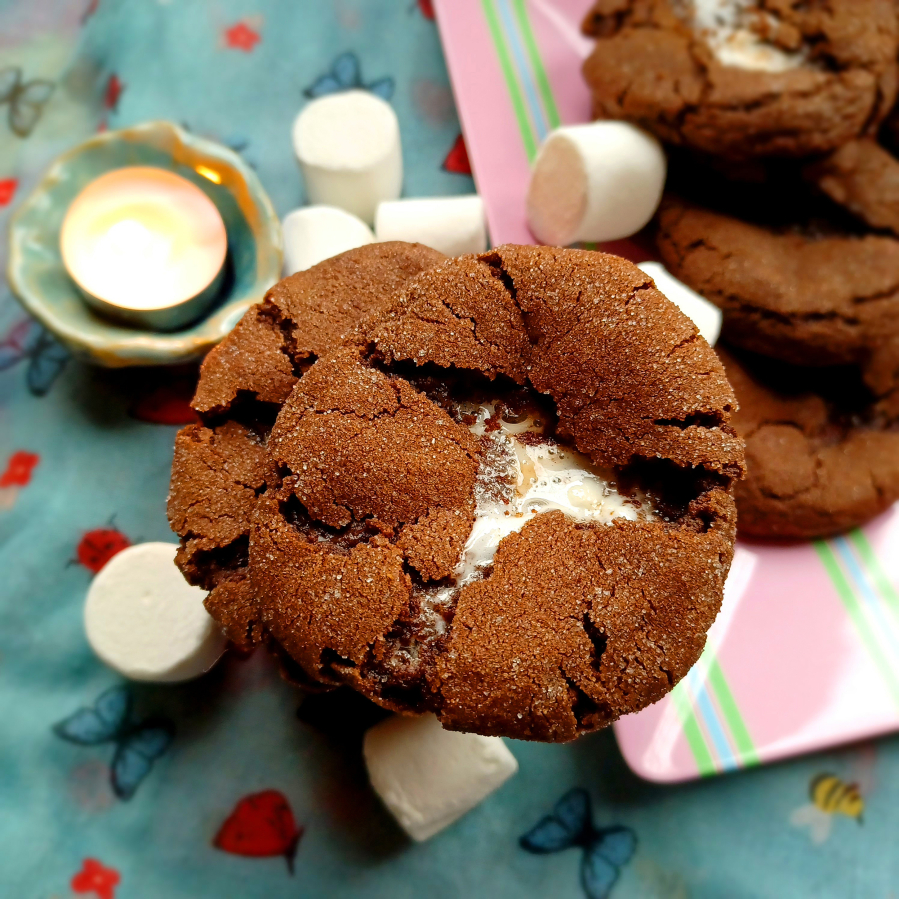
<point x="533" y="51"/>
<point x="875" y="570"/>
<point x="705" y="764"/>
<point x="514" y="88"/>
<point x="747" y="756"/>
<point x="857" y="614"/>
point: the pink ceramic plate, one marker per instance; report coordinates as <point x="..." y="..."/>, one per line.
<point x="805" y="652"/>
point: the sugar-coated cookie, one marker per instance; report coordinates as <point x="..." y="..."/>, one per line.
<point x="744" y="79"/>
<point x="822" y="455"/>
<point x="509" y="502"/>
<point x="219" y="466"/>
<point x="801" y="294"/>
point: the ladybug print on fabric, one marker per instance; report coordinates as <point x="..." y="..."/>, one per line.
<point x="97" y="547"/>
<point x="166" y="403"/>
<point x="261" y="826"/>
<point x="457" y="159"/>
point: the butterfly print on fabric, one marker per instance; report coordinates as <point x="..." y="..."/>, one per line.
<point x="137" y="744"/>
<point x="46" y="356"/>
<point x="346" y="75"/>
<point x="25" y="99"/>
<point x="605" y="850"/>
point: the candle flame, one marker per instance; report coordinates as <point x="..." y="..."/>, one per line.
<point x="214" y="176"/>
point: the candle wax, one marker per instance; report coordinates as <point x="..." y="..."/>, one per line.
<point x="140" y="239"/>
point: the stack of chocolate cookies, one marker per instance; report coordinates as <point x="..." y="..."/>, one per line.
<point x="782" y="208"/>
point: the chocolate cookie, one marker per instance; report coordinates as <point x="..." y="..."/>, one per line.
<point x="745" y="79"/>
<point x="822" y="456"/>
<point x="511" y="504"/>
<point x="863" y="177"/>
<point x="805" y="296"/>
<point x="219" y="466"/>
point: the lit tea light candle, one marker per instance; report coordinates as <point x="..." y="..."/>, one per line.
<point x="145" y="246"/>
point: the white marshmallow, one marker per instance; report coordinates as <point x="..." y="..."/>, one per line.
<point x="429" y="777"/>
<point x="146" y="622"/>
<point x="315" y="233"/>
<point x="705" y="315"/>
<point x="348" y="147"/>
<point x="595" y="182"/>
<point x="452" y="225"/>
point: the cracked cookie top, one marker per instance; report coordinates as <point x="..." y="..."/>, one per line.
<point x="745" y="78"/>
<point x="219" y="467"/>
<point x="507" y="499"/>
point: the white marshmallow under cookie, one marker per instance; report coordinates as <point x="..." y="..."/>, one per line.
<point x="429" y="777"/>
<point x="595" y="182"/>
<point x="348" y="148"/>
<point x="146" y="622"/>
<point x="315" y="233"/>
<point x="705" y="315"/>
<point x="452" y="225"/>
<point x="727" y="27"/>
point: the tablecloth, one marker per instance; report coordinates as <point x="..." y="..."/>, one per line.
<point x="262" y="792"/>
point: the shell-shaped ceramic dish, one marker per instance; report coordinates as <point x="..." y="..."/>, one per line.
<point x="39" y="279"/>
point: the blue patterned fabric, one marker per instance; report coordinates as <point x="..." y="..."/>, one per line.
<point x="250" y="799"/>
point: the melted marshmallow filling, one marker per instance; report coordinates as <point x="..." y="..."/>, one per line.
<point x="524" y="473"/>
<point x="538" y="476"/>
<point x="731" y="28"/>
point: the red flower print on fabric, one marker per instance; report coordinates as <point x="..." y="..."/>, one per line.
<point x="94" y="877"/>
<point x="97" y="547"/>
<point x="427" y="8"/>
<point x="242" y="37"/>
<point x="261" y="826"/>
<point x="7" y="190"/>
<point x="19" y="469"/>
